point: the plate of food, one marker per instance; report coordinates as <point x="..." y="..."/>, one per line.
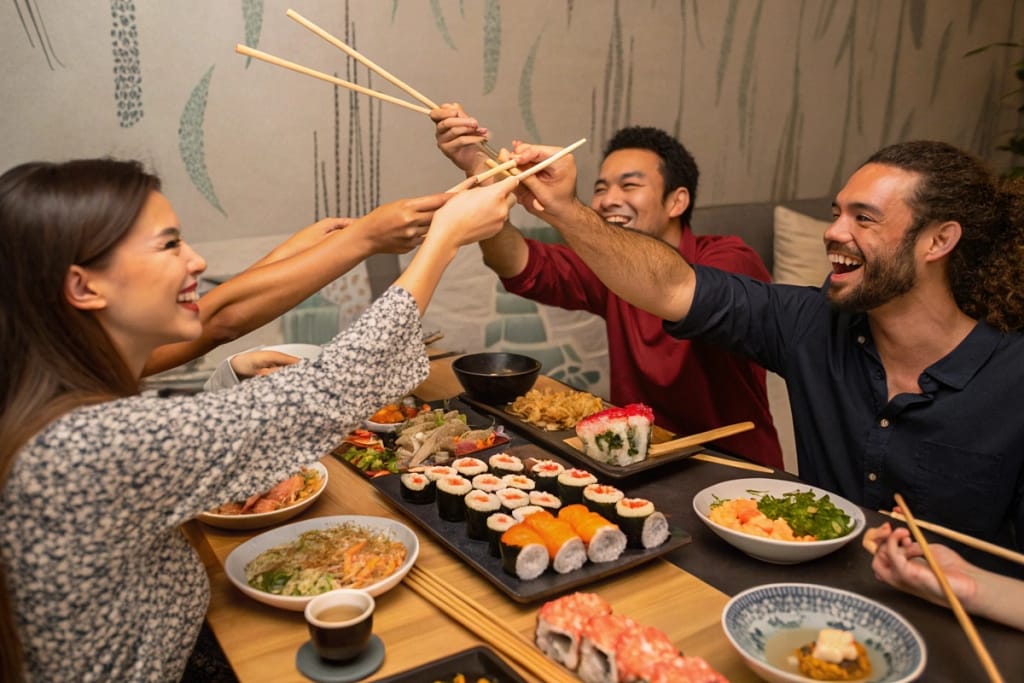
<point x="391" y="415"/>
<point x="285" y="567"/>
<point x="778" y="521"/>
<point x="796" y="632"/>
<point x="283" y="501"/>
<point x="476" y="665"/>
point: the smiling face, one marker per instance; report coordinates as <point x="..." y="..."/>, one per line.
<point x="630" y="192"/>
<point x="146" y="294"/>
<point x="870" y="243"/>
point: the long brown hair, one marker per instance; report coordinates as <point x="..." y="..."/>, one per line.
<point x="55" y="356"/>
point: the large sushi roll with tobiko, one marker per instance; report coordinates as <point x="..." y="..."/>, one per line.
<point x="602" y="499"/>
<point x="479" y="506"/>
<point x="598" y="638"/>
<point x="469" y="467"/>
<point x="604" y="541"/>
<point x="560" y="625"/>
<point x="545" y="474"/>
<point x="488" y="482"/>
<point x="565" y="547"/>
<point x="571" y="483"/>
<point x="505" y="463"/>
<point x="512" y="499"/>
<point x="683" y="669"/>
<point x="451" y="492"/>
<point x="497" y="524"/>
<point x="644" y="526"/>
<point x="523" y="553"/>
<point x="617" y="436"/>
<point x="417" y="488"/>
<point x="638" y="651"/>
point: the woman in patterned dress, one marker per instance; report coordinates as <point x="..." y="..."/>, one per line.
<point x="98" y="582"/>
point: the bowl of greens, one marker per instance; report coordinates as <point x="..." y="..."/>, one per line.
<point x="778" y="521"/>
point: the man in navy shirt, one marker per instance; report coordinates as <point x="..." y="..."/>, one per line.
<point x="904" y="368"/>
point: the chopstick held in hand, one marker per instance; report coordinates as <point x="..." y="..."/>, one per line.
<point x="954" y="602"/>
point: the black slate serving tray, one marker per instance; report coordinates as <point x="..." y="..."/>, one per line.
<point x="474" y="663"/>
<point x="453" y="536"/>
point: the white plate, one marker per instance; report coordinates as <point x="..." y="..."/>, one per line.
<point x="380" y="427"/>
<point x="307" y="351"/>
<point x="769" y="549"/>
<point x="260" y="520"/>
<point x="234" y="565"/>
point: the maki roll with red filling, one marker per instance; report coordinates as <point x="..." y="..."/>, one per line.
<point x="644" y="526"/>
<point x="469" y="467"/>
<point x="479" y="506"/>
<point x="417" y="488"/>
<point x="497" y="524"/>
<point x="519" y="481"/>
<point x="505" y="463"/>
<point x="512" y="499"/>
<point x="602" y="498"/>
<point x="571" y="483"/>
<point x="451" y="492"/>
<point x="548" y="501"/>
<point x="488" y="482"/>
<point x="545" y="474"/>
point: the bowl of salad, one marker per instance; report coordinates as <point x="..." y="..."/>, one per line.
<point x="778" y="521"/>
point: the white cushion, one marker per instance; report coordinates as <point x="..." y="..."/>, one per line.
<point x="799" y="249"/>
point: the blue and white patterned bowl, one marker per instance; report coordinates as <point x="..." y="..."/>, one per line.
<point x="765" y="623"/>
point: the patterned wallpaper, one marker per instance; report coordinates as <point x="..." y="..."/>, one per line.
<point x="777" y="99"/>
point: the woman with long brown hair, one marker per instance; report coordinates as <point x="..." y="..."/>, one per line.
<point x="98" y="582"/>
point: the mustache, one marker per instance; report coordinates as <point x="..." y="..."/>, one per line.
<point x="832" y="247"/>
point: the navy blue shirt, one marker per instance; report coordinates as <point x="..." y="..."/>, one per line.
<point x="955" y="451"/>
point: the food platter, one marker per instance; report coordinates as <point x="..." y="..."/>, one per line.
<point x="474" y="663"/>
<point x="260" y="520"/>
<point x="475" y="553"/>
<point x="234" y="565"/>
<point x="556" y="442"/>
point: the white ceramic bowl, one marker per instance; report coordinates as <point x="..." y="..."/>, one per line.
<point x="260" y="520"/>
<point x="234" y="565"/>
<point x="767" y="623"/>
<point x="768" y="549"/>
<point x="307" y="351"/>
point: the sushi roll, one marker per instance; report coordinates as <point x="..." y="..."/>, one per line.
<point x="564" y="545"/>
<point x="488" y="482"/>
<point x="671" y="670"/>
<point x="523" y="553"/>
<point x="602" y="499"/>
<point x="560" y="625"/>
<point x="617" y="436"/>
<point x="512" y="499"/>
<point x="417" y="488"/>
<point x="451" y="492"/>
<point x="522" y="513"/>
<point x="548" y="501"/>
<point x="505" y="463"/>
<point x="604" y="541"/>
<point x="438" y="471"/>
<point x="598" y="637"/>
<point x="645" y="527"/>
<point x="545" y="474"/>
<point x="519" y="481"/>
<point x="497" y="524"/>
<point x="469" y="467"/>
<point x="479" y="506"/>
<point x="571" y="483"/>
<point x="639" y="650"/>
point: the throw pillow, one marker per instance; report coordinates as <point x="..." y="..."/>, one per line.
<point x="799" y="253"/>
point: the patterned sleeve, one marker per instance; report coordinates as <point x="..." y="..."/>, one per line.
<point x="179" y="456"/>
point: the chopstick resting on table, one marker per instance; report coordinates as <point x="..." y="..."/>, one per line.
<point x="298" y="68"/>
<point x="954" y="602"/>
<point x="969" y="541"/>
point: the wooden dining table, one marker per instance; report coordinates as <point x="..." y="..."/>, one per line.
<point x="683" y="594"/>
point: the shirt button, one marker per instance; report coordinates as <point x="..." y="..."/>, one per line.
<point x="861" y="339"/>
<point x="872" y="477"/>
<point x="879" y="374"/>
<point x="884" y="422"/>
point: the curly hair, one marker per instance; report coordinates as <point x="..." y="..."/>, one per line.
<point x="678" y="167"/>
<point x="986" y="268"/>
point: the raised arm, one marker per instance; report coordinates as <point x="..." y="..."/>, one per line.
<point x="290" y="274"/>
<point x="643" y="270"/>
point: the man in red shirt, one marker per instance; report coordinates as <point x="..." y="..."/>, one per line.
<point x="648" y="183"/>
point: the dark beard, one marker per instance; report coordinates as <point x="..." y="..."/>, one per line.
<point x="883" y="281"/>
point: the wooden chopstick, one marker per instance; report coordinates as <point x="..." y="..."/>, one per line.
<point x="493" y="171"/>
<point x="277" y="61"/>
<point x="728" y="462"/>
<point x="970" y="541"/>
<point x="540" y="166"/>
<point x="954" y="602"/>
<point x="482" y="623"/>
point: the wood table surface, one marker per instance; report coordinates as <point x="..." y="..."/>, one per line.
<point x="261" y="641"/>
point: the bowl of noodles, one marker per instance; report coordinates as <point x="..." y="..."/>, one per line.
<point x="287" y="566"/>
<point x="778" y="521"/>
<point x="280" y="503"/>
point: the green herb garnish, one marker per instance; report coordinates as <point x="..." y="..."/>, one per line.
<point x="806" y="514"/>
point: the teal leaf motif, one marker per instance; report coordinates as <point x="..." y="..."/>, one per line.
<point x="492" y="43"/>
<point x="252" y="14"/>
<point x="526" y="91"/>
<point x="442" y="27"/>
<point x="723" y="57"/>
<point x="190" y="140"/>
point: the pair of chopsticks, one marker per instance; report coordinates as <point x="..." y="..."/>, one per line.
<point x="479" y="621"/>
<point x="961" y="615"/>
<point x="969" y="541"/>
<point x="536" y="168"/>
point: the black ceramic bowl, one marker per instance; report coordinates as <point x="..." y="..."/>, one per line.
<point x="496" y="377"/>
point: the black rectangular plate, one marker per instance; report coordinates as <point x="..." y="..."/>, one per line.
<point x="474" y="663"/>
<point x="549" y="584"/>
<point x="555" y="441"/>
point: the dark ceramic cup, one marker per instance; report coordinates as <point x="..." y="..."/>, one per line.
<point x="340" y="623"/>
